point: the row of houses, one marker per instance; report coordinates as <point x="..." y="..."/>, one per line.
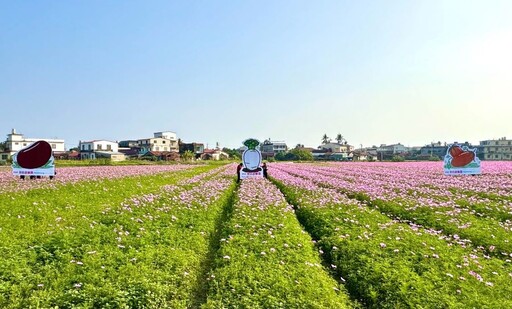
<point x="329" y="151"/>
<point x="496" y="149"/>
<point x="162" y="146"/>
<point x="16" y="141"/>
<point x="165" y="145"/>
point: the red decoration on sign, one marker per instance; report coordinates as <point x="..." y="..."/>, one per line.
<point x="34" y="156"/>
<point x="463" y="159"/>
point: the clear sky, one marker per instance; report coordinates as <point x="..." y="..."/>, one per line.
<point x="378" y="72"/>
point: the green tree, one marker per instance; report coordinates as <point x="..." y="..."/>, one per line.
<point x="301" y="155"/>
<point x="290" y="156"/>
<point x="280" y="156"/>
<point x="340" y="138"/>
<point x="187" y="155"/>
<point x="434" y="158"/>
<point x="233" y="153"/>
<point x="325" y="139"/>
<point x="294" y="155"/>
<point x="397" y="158"/>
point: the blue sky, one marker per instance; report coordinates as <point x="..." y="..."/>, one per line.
<point x="222" y="71"/>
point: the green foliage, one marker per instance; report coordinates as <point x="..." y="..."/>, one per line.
<point x="294" y="155"/>
<point x="389" y="264"/>
<point x="233" y="153"/>
<point x="97" y="162"/>
<point x="340" y="138"/>
<point x="123" y="243"/>
<point x="251" y="143"/>
<point x="265" y="260"/>
<point x="434" y="158"/>
<point x="187" y="155"/>
<point x="481" y="230"/>
<point x="397" y="159"/>
<point x="301" y="155"/>
<point x="280" y="156"/>
<point x="153" y="242"/>
<point x="325" y="139"/>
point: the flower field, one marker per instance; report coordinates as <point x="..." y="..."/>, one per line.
<point x="332" y="235"/>
<point x="78" y="174"/>
<point x="266" y="260"/>
<point x="404" y="235"/>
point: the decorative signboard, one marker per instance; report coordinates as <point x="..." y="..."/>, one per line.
<point x="34" y="160"/>
<point x="460" y="160"/>
<point x="251" y="159"/>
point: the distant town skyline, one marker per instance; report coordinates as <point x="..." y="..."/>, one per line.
<point x="69" y="145"/>
<point x="378" y="72"/>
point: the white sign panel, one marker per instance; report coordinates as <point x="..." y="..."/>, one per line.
<point x="251" y="160"/>
<point x="34" y="160"/>
<point x="460" y="160"/>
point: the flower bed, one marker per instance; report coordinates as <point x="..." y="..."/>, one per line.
<point x="391" y="263"/>
<point x="126" y="243"/>
<point x="425" y="197"/>
<point x="9" y="183"/>
<point x="266" y="260"/>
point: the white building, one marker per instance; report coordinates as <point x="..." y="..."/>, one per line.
<point x="214" y="154"/>
<point x="161" y="141"/>
<point x="274" y="147"/>
<point x="496" y="149"/>
<point x="337" y="148"/>
<point x="364" y="155"/>
<point x="393" y="149"/>
<point x="16" y="141"/>
<point x="157" y="144"/>
<point x="167" y="135"/>
<point x="100" y="149"/>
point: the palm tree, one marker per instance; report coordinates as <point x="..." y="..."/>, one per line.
<point x="325" y="139"/>
<point x="339" y="138"/>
